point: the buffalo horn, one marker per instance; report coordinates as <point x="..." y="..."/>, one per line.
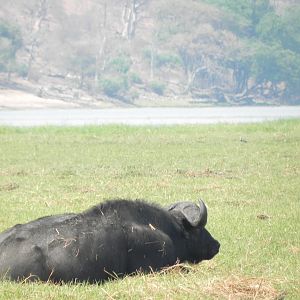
<point x="196" y="215"/>
<point x="202" y="213"/>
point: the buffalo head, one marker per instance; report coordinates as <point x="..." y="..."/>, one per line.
<point x="199" y="242"/>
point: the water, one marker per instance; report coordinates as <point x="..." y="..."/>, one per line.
<point x="146" y="116"/>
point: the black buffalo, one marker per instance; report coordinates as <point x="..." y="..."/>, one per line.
<point x="109" y="240"/>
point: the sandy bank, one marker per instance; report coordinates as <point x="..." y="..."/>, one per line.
<point x="15" y="99"/>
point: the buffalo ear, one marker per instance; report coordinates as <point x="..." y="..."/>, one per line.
<point x="192" y="214"/>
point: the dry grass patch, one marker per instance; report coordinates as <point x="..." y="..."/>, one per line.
<point x="8" y="186"/>
<point x="235" y="287"/>
<point x="205" y="173"/>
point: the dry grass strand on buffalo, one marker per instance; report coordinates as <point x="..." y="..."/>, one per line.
<point x="235" y="287"/>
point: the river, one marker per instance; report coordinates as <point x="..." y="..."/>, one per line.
<point x="146" y="116"/>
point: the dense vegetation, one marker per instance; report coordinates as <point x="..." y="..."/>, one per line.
<point x="233" y="51"/>
<point x="10" y="43"/>
<point x="272" y="42"/>
<point x="252" y="191"/>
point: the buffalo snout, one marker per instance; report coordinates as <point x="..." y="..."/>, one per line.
<point x="213" y="249"/>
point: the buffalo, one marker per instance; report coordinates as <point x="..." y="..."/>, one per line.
<point x="109" y="240"/>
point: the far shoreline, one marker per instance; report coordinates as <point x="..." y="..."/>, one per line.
<point x="11" y="99"/>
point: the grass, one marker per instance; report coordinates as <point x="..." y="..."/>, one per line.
<point x="252" y="190"/>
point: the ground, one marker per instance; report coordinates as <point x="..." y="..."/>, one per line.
<point x="251" y="190"/>
<point x="16" y="99"/>
<point x="19" y="99"/>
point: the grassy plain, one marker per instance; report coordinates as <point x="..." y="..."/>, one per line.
<point x="252" y="190"/>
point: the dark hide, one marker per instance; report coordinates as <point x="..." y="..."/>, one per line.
<point x="106" y="241"/>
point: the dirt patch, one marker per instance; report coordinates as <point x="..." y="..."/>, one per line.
<point x="294" y="250"/>
<point x="206" y="173"/>
<point x="263" y="217"/>
<point x="235" y="287"/>
<point x="9" y="187"/>
<point x="17" y="99"/>
<point x="22" y="99"/>
<point x="12" y="99"/>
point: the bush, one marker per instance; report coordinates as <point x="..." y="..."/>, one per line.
<point x="162" y="59"/>
<point x="22" y="70"/>
<point x="3" y="68"/>
<point x="113" y="87"/>
<point x="135" y="78"/>
<point x="120" y="64"/>
<point x="157" y="87"/>
<point x="167" y="60"/>
<point x="82" y="64"/>
<point x="134" y="95"/>
<point x="10" y="43"/>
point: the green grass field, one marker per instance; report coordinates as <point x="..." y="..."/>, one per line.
<point x="252" y="190"/>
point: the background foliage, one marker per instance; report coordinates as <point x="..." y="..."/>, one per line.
<point x="248" y="50"/>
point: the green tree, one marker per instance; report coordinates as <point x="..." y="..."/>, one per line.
<point x="10" y="43"/>
<point x="290" y="34"/>
<point x="120" y="64"/>
<point x="270" y="27"/>
<point x="278" y="56"/>
<point x="157" y="87"/>
<point x="186" y="31"/>
<point x="274" y="63"/>
<point x="246" y="13"/>
<point x="82" y="64"/>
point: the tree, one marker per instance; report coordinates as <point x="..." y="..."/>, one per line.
<point x="192" y="57"/>
<point x="11" y="42"/>
<point x="82" y="64"/>
<point x="270" y="27"/>
<point x="120" y="63"/>
<point x="277" y="57"/>
<point x="290" y="34"/>
<point x="114" y="86"/>
<point x="246" y="13"/>
<point x="101" y="42"/>
<point x="39" y="18"/>
<point x="186" y="29"/>
<point x="130" y="17"/>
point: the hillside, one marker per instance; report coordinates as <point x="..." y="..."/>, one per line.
<point x="137" y="51"/>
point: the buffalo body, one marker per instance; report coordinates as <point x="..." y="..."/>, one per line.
<point x="109" y="240"/>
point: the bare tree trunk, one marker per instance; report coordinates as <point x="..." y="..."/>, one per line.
<point x="132" y="20"/>
<point x="125" y="19"/>
<point x="40" y="17"/>
<point x="9" y="70"/>
<point x="81" y="79"/>
<point x="130" y="17"/>
<point x="241" y="77"/>
<point x="152" y="62"/>
<point x="102" y="38"/>
<point x="191" y="76"/>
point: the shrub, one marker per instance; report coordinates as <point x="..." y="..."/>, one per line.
<point x="162" y="59"/>
<point x="135" y="78"/>
<point x="157" y="87"/>
<point x="120" y="64"/>
<point x="22" y="70"/>
<point x="113" y="87"/>
<point x="167" y="59"/>
<point x="134" y="95"/>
